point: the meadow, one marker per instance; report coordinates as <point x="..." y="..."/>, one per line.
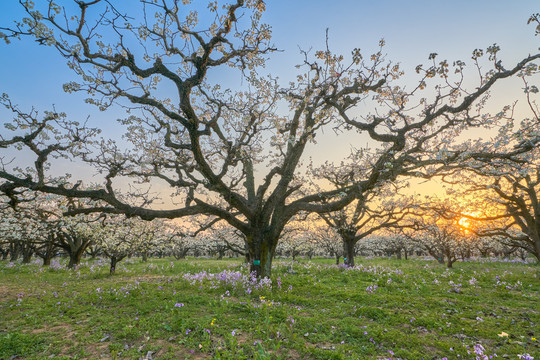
<point x="210" y="309"/>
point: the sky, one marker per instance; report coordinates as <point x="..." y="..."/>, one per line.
<point x="33" y="75"/>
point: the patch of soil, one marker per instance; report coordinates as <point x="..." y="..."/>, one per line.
<point x="7" y="293"/>
<point x="63" y="329"/>
<point x="98" y="351"/>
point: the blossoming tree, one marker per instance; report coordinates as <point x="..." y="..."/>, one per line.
<point x="231" y="155"/>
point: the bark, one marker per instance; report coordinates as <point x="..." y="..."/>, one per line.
<point x="75" y="257"/>
<point x="47" y="259"/>
<point x="27" y="253"/>
<point x="15" y="251"/>
<point x="436" y="254"/>
<point x="451" y="257"/>
<point x="221" y="253"/>
<point x="114" y="261"/>
<point x="261" y="254"/>
<point x="180" y="254"/>
<point x="46" y="253"/>
<point x="348" y="251"/>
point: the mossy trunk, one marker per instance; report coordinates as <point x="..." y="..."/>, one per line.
<point x="261" y="254"/>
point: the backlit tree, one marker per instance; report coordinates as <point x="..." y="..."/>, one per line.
<point x="232" y="155"/>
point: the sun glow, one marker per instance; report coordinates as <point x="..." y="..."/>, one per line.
<point x="466" y="223"/>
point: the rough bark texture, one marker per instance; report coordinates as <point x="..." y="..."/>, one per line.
<point x="348" y="251"/>
<point x="27" y="254"/>
<point x="75" y="257"/>
<point x="261" y="255"/>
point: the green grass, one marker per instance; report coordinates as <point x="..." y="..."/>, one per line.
<point x="382" y="309"/>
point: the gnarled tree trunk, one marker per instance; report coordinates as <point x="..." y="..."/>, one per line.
<point x="261" y="254"/>
<point x="348" y="251"/>
<point x="75" y="257"/>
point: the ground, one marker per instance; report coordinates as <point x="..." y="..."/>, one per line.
<point x="209" y="309"/>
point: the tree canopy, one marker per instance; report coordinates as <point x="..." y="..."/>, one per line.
<point x="234" y="154"/>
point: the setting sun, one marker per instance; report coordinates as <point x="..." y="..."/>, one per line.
<point x="466" y="223"/>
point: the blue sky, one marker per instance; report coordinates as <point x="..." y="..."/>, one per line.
<point x="33" y="75"/>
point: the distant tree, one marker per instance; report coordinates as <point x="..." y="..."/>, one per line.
<point x="181" y="245"/>
<point x="438" y="232"/>
<point x="222" y="239"/>
<point x="119" y="237"/>
<point x="507" y="186"/>
<point x="28" y="228"/>
<point x="208" y="143"/>
<point x="378" y="211"/>
<point x="391" y="242"/>
<point x="328" y="241"/>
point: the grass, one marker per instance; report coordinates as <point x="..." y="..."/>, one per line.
<point x="381" y="309"/>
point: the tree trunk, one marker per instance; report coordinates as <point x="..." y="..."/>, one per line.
<point x="15" y="252"/>
<point x="47" y="258"/>
<point x="27" y="252"/>
<point x="114" y="261"/>
<point x="348" y="251"/>
<point x="261" y="254"/>
<point x="180" y="254"/>
<point x="75" y="257"/>
<point x="337" y="257"/>
<point x="48" y="253"/>
<point x="398" y="254"/>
